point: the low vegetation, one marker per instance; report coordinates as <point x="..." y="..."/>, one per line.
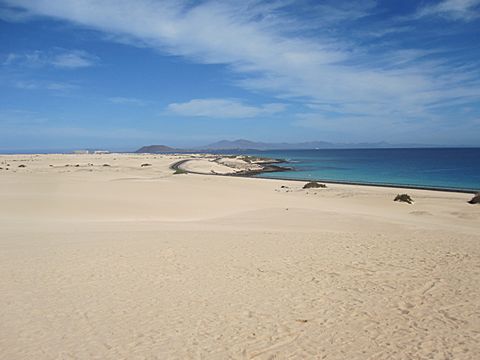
<point x="314" y="185"/>
<point x="475" y="199"/>
<point x="404" y="198"/>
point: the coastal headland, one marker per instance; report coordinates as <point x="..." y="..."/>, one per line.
<point x="238" y="165"/>
<point x="119" y="256"/>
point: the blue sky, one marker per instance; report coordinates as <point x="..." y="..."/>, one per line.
<point x="120" y="74"/>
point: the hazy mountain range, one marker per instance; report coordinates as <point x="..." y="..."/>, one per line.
<point x="242" y="144"/>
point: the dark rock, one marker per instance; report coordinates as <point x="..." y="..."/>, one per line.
<point x="313" y="185"/>
<point x="404" y="198"/>
<point x="105" y="165"/>
<point x="22" y="166"/>
<point x="475" y="199"/>
<point x="274" y="168"/>
<point x="143" y="165"/>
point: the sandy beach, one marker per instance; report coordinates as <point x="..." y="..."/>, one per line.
<point x="102" y="258"/>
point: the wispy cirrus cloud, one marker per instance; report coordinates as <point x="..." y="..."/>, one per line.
<point x="267" y="48"/>
<point x="223" y="108"/>
<point x="53" y="86"/>
<point x="74" y="59"/>
<point x="127" y="101"/>
<point x="466" y="10"/>
<point x="66" y="59"/>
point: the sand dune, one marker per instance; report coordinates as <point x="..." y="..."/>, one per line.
<point x="131" y="262"/>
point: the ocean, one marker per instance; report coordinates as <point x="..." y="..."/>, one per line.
<point x="445" y="168"/>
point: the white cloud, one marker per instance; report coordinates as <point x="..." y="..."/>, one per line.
<point x="67" y="59"/>
<point x="74" y="59"/>
<point x="26" y="85"/>
<point x="127" y="101"/>
<point x="465" y="10"/>
<point x="261" y="44"/>
<point x="61" y="87"/>
<point x="223" y="108"/>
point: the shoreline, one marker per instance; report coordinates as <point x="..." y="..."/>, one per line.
<point x="268" y="166"/>
<point x="257" y="175"/>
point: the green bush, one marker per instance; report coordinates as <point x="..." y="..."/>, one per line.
<point x="313" y="185"/>
<point x="403" y="198"/>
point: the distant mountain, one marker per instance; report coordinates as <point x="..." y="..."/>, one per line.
<point x="243" y="144"/>
<point x="153" y="149"/>
<point x="237" y="144"/>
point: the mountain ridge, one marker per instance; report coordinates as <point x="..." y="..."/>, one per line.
<point x="243" y="144"/>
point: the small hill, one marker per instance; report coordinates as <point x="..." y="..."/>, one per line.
<point x="155" y="149"/>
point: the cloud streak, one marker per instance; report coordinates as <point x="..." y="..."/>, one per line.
<point x="59" y="87"/>
<point x="127" y="101"/>
<point x="261" y="45"/>
<point x="223" y="108"/>
<point x="465" y="10"/>
<point x="65" y="59"/>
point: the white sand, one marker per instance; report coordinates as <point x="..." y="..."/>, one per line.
<point x="218" y="165"/>
<point x="125" y="262"/>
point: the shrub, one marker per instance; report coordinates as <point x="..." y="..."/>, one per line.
<point x="314" y="185"/>
<point x="475" y="199"/>
<point x="403" y="198"/>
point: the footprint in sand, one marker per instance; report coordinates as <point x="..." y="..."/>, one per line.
<point x="420" y="213"/>
<point x="405" y="307"/>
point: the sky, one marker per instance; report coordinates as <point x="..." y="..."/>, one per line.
<point x="119" y="74"/>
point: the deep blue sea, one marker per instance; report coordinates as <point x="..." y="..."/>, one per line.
<point x="454" y="168"/>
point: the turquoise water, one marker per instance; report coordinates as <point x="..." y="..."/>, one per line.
<point x="457" y="168"/>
